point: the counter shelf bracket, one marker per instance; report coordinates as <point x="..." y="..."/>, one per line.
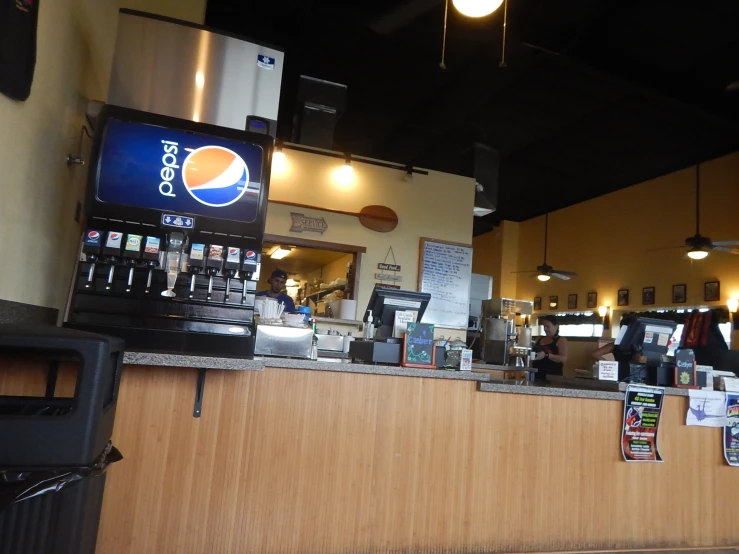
<point x="199" y="388"/>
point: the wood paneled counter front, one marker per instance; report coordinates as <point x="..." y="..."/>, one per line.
<point x="295" y="461"/>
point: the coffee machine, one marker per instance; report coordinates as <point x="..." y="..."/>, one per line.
<point x="177" y="190"/>
<point x="504" y="339"/>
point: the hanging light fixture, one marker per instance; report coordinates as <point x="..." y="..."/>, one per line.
<point x="543" y="277"/>
<point x="476" y="8"/>
<point x="697" y="254"/>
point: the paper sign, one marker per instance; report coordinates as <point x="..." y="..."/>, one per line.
<point x="663" y="339"/>
<point x="402" y="319"/>
<point x="642" y="410"/>
<point x="648" y="337"/>
<point x="706" y="409"/>
<point x="465" y="362"/>
<point x="731" y="430"/>
<point x="607" y="371"/>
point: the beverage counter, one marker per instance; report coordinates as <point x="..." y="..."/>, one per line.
<point x="295" y="456"/>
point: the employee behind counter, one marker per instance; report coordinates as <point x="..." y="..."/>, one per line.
<point x="276" y="287"/>
<point x="550" y="351"/>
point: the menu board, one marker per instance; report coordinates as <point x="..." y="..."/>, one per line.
<point x="445" y="272"/>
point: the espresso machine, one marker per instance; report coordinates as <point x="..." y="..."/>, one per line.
<point x="177" y="190"/>
<point x="505" y="339"/>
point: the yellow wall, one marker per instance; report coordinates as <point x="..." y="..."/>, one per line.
<point x="75" y="44"/>
<point x="335" y="270"/>
<point x="496" y="254"/>
<point x="437" y="205"/>
<point x="608" y="240"/>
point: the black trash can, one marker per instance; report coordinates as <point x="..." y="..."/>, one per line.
<point x="40" y="435"/>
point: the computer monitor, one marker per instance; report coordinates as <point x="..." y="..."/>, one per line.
<point x="385" y="302"/>
<point x="650" y="337"/>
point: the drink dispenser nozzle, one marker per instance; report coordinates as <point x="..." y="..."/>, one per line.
<point x="175" y="244"/>
<point x="248" y="269"/>
<point x="131" y="254"/>
<point x="230" y="267"/>
<point x="196" y="264"/>
<point x="151" y="257"/>
<point x="213" y="265"/>
<point x="91" y="246"/>
<point x="112" y="250"/>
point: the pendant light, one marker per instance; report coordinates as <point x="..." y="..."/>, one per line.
<point x="476" y="8"/>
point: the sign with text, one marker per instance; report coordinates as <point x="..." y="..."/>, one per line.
<point x="388" y="267"/>
<point x="418" y="346"/>
<point x="388" y="277"/>
<point x="402" y="319"/>
<point x="642" y="410"/>
<point x="384" y="286"/>
<point x="607" y="371"/>
<point x="731" y="430"/>
<point x="302" y="223"/>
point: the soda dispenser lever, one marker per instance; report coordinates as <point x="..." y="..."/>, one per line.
<point x="247" y="270"/>
<point x="91" y="246"/>
<point x="175" y="243"/>
<point x="195" y="264"/>
<point x="213" y="265"/>
<point x="151" y="257"/>
<point x="112" y="250"/>
<point x="233" y="262"/>
<point x="131" y="254"/>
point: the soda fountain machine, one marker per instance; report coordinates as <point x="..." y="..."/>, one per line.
<point x="175" y="219"/>
<point x="177" y="190"/>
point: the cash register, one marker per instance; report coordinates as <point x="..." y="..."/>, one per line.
<point x="650" y="339"/>
<point x="384" y="348"/>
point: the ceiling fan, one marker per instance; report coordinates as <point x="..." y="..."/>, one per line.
<point x="699" y="246"/>
<point x="544" y="272"/>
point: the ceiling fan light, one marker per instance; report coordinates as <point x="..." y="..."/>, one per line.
<point x="697" y="254"/>
<point x="476" y="8"/>
<point x="543" y="277"/>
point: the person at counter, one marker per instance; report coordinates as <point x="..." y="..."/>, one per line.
<point x="276" y="290"/>
<point x="550" y="350"/>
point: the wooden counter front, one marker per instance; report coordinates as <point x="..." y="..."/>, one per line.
<point x="296" y="461"/>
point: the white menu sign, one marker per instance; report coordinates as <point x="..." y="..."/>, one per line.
<point x="445" y="271"/>
<point x="607" y="371"/>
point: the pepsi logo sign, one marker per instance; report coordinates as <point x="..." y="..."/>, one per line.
<point x="215" y="176"/>
<point x="93" y="235"/>
<point x="251" y="255"/>
<point x="233" y="251"/>
<point x="114" y="236"/>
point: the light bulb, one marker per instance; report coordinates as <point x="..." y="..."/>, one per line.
<point x="476" y="8"/>
<point x="732" y="304"/>
<point x="697" y="254"/>
<point x="279" y="162"/>
<point x="543" y="277"/>
<point x="602" y="311"/>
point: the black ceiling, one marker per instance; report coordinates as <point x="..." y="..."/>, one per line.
<point x="597" y="95"/>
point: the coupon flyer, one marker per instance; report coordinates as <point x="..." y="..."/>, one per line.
<point x="731" y="430"/>
<point x="642" y="409"/>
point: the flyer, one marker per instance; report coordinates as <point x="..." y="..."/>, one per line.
<point x="642" y="409"/>
<point x="731" y="430"/>
<point x="707" y="408"/>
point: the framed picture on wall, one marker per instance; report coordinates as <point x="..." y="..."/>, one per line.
<point x="553" y="302"/>
<point x="537" y="303"/>
<point x="712" y="291"/>
<point x="623" y="297"/>
<point x="572" y="302"/>
<point x="592" y="300"/>
<point x="647" y="296"/>
<point x="679" y="294"/>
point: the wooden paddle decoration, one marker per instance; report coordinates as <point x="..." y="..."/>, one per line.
<point x="377" y="218"/>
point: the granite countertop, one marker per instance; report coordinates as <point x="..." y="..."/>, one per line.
<point x="179" y="360"/>
<point x="338" y="365"/>
<point x="572" y="388"/>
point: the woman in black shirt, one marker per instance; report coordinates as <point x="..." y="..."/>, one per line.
<point x="550" y="350"/>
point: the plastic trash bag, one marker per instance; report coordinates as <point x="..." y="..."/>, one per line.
<point x="16" y="486"/>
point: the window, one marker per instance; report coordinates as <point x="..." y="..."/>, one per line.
<point x="576" y="330"/>
<point x="725" y="329"/>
